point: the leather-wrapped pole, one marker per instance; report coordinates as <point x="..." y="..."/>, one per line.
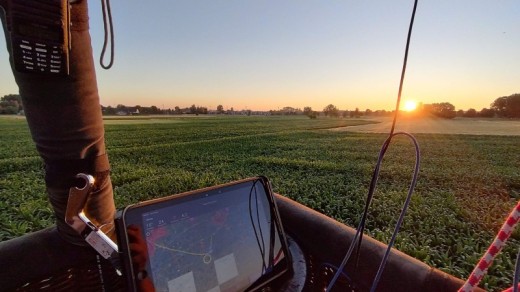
<point x="65" y="120"/>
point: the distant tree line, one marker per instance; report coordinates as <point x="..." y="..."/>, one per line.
<point x="124" y="110"/>
<point x="442" y="110"/>
<point x="286" y="111"/>
<point x="473" y="113"/>
<point x="121" y="109"/>
<point x="11" y="104"/>
<point x="503" y="107"/>
<point x="332" y="111"/>
<point x="447" y="111"/>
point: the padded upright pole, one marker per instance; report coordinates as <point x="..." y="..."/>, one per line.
<point x="64" y="116"/>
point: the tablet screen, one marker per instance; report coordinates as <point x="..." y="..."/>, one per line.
<point x="226" y="238"/>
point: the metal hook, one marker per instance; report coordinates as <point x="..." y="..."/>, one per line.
<point x="78" y="197"/>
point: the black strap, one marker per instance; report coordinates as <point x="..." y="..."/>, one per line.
<point x="109" y="30"/>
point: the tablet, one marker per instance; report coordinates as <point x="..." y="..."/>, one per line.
<point x="223" y="238"/>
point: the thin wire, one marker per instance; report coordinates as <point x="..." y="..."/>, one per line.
<point x="403" y="71"/>
<point x="109" y="29"/>
<point x="375" y="175"/>
<point x="261" y="246"/>
<point x="258" y="221"/>
<point x="403" y="212"/>
<point x="405" y="207"/>
<point x="361" y="225"/>
<point x="517" y="273"/>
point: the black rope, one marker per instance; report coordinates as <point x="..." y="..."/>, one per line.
<point x="403" y="212"/>
<point x="373" y="182"/>
<point x="375" y="175"/>
<point x="259" y="240"/>
<point x="403" y="71"/>
<point x="517" y="273"/>
<point x="109" y="29"/>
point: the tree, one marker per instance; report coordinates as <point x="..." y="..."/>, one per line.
<point x="507" y="106"/>
<point x="331" y="110"/>
<point x="220" y="109"/>
<point x="109" y="110"/>
<point x="121" y="109"/>
<point x="11" y="104"/>
<point x="12" y="97"/>
<point x="487" y="113"/>
<point x="307" y="111"/>
<point x="155" y="110"/>
<point x="381" y="113"/>
<point x="471" y="113"/>
<point x="202" y="110"/>
<point x="7" y="109"/>
<point x="355" y="113"/>
<point x="443" y="110"/>
<point x="193" y="109"/>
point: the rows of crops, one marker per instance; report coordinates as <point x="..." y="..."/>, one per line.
<point x="467" y="184"/>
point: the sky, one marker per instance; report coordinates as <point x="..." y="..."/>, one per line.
<point x="264" y="55"/>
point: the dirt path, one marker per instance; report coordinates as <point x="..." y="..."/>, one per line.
<point x="442" y="126"/>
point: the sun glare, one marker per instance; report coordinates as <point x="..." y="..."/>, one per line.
<point x="410" y="105"/>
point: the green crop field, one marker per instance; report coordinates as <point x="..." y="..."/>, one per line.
<point x="467" y="184"/>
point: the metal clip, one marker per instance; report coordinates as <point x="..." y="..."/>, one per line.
<point x="77" y="219"/>
<point x="77" y="199"/>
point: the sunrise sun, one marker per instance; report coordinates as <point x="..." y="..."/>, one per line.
<point x="410" y="105"/>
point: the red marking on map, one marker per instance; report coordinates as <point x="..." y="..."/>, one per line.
<point x="220" y="217"/>
<point x="154" y="236"/>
